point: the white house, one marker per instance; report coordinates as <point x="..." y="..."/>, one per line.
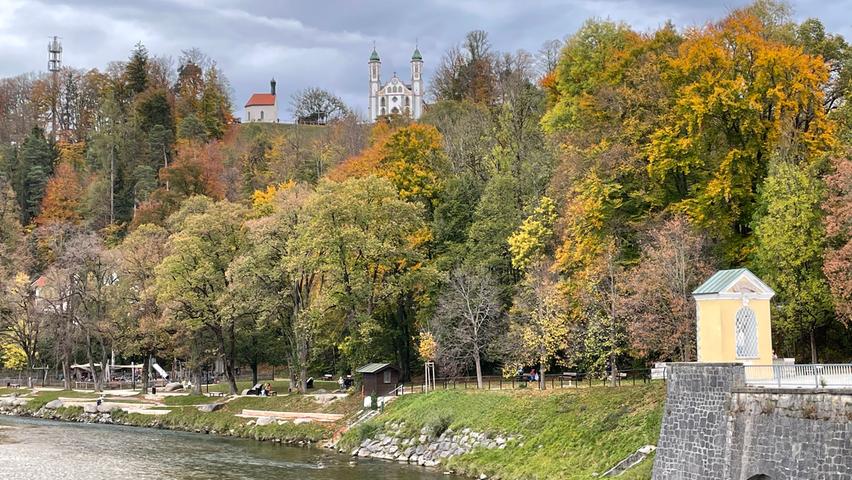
<point x="396" y="97"/>
<point x="263" y="107"/>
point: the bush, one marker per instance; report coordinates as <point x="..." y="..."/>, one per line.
<point x="439" y="425"/>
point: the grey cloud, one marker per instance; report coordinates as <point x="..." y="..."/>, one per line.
<point x="322" y="43"/>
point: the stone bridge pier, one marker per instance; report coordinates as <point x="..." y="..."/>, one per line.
<point x="716" y="427"/>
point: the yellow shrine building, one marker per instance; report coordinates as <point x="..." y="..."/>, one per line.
<point x="733" y="319"/>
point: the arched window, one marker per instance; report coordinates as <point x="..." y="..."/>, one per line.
<point x="383" y="101"/>
<point x="407" y="101"/>
<point x="760" y="477"/>
<point x="383" y="111"/>
<point x="746" y="331"/>
<point x="261" y="115"/>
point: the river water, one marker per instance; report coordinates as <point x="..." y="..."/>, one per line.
<point x="32" y="449"/>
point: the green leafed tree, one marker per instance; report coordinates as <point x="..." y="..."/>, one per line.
<point x="789" y="245"/>
<point x="193" y="279"/>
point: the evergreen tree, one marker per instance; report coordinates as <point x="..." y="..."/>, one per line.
<point x="136" y="72"/>
<point x="36" y="159"/>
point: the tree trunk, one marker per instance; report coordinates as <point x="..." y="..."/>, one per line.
<point x="196" y="380"/>
<point x="813" y="347"/>
<point x="291" y="371"/>
<point x="90" y="355"/>
<point x="478" y="362"/>
<point x="146" y="363"/>
<point x="228" y="360"/>
<point x="542" y="367"/>
<point x="66" y="372"/>
<point x="253" y="373"/>
<point x="613" y="369"/>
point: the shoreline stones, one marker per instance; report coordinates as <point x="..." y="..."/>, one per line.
<point x="397" y="444"/>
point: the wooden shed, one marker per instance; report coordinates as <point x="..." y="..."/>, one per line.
<point x="381" y="378"/>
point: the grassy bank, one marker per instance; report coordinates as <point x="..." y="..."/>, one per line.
<point x="562" y="433"/>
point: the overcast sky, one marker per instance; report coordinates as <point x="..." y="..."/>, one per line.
<point x="325" y="43"/>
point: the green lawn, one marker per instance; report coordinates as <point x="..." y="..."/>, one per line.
<point x="569" y="434"/>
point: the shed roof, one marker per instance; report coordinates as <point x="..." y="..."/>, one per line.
<point x="722" y="280"/>
<point x="373" y="367"/>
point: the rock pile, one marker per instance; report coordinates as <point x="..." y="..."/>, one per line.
<point x="396" y="443"/>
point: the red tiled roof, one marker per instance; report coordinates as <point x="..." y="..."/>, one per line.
<point x="261" y="99"/>
<point x="40" y="281"/>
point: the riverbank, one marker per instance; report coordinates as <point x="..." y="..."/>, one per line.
<point x="35" y="449"/>
<point x="223" y="416"/>
<point x="522" y="434"/>
<point x="567" y="434"/>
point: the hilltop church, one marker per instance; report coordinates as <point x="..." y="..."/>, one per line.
<point x="396" y="96"/>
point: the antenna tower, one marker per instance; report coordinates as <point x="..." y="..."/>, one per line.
<point x="54" y="64"/>
<point x="54" y="55"/>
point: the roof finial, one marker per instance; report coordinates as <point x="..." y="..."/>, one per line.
<point x="374" y="57"/>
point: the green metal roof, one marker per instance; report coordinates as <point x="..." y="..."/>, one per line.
<point x="373" y="367"/>
<point x="719" y="281"/>
<point x="417" y="55"/>
<point x="374" y="57"/>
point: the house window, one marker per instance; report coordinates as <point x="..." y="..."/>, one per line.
<point x="261" y="115"/>
<point x="746" y="331"/>
<point x="387" y="376"/>
<point x="248" y="116"/>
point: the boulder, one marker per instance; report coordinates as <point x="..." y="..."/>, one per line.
<point x="90" y="408"/>
<point x="53" y="404"/>
<point x="173" y="387"/>
<point x="300" y="421"/>
<point x="105" y="407"/>
<point x="261" y="421"/>
<point x="209" y="407"/>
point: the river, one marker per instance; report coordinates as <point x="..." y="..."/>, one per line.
<point x="33" y="449"/>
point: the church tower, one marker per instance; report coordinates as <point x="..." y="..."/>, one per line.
<point x="417" y="83"/>
<point x="375" y="82"/>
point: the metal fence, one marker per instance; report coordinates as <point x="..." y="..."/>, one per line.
<point x="799" y="376"/>
<point x="575" y="380"/>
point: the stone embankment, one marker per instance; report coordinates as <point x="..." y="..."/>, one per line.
<point x="395" y="442"/>
<point x="56" y="410"/>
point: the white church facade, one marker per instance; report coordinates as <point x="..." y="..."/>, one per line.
<point x="263" y="107"/>
<point x="396" y="97"/>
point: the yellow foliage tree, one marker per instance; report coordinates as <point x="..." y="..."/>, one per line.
<point x="740" y="98"/>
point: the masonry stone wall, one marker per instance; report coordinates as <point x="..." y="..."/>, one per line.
<point x="714" y="427"/>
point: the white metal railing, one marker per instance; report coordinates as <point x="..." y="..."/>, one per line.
<point x="800" y="376"/>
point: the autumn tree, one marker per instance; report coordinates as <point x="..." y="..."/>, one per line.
<point x="658" y="304"/>
<point x="838" y="225"/>
<point x="62" y="194"/>
<point x="539" y="328"/>
<point x="413" y="160"/>
<point x="732" y="112"/>
<point x="467" y="320"/>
